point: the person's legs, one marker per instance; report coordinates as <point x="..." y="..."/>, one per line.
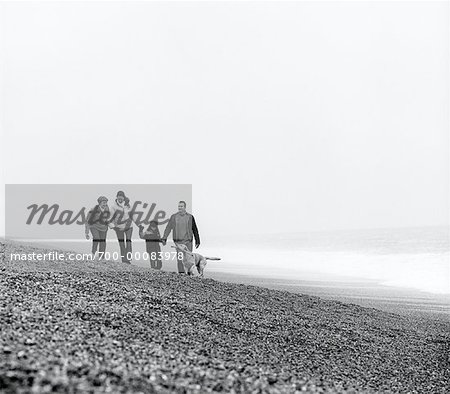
<point x="128" y="234"/>
<point x="157" y="261"/>
<point x="120" y="238"/>
<point x="180" y="261"/>
<point x="102" y="240"/>
<point x="95" y="240"/>
<point x="154" y="250"/>
<point x="150" y="250"/>
<point x="180" y="265"/>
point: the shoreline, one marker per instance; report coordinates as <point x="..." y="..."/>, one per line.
<point x="360" y="291"/>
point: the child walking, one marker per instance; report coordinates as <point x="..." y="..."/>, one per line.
<point x="152" y="239"/>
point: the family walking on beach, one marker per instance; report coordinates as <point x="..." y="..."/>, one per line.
<point x="120" y="218"/>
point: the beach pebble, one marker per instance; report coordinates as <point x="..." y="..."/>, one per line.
<point x="119" y="328"/>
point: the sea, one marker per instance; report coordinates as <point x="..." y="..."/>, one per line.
<point x="415" y="258"/>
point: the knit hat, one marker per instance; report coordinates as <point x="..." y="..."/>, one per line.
<point x="101" y="198"/>
<point x="120" y="193"/>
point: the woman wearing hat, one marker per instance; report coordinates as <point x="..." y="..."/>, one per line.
<point x="97" y="224"/>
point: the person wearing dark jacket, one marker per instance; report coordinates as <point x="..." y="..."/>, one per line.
<point x="152" y="239"/>
<point x="97" y="224"/>
<point x="184" y="230"/>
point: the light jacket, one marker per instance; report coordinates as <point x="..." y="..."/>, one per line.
<point x="120" y="216"/>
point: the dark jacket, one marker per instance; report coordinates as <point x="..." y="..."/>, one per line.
<point x="152" y="240"/>
<point x="192" y="229"/>
<point x="150" y="236"/>
<point x="98" y="219"/>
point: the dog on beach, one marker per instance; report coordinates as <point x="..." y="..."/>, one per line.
<point x="191" y="260"/>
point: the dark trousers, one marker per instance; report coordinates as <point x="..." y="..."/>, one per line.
<point x="180" y="261"/>
<point x="98" y="241"/>
<point x="154" y="250"/>
<point x="124" y="238"/>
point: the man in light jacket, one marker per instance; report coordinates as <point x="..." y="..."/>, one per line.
<point x="184" y="230"/>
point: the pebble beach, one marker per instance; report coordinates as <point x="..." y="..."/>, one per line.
<point x="76" y="327"/>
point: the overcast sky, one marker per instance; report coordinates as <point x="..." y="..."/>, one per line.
<point x="283" y="116"/>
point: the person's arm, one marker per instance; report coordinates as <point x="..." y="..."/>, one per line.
<point x="134" y="220"/>
<point x="129" y="212"/>
<point x="168" y="229"/>
<point x="195" y="231"/>
<point x="141" y="233"/>
<point x="159" y="236"/>
<point x="113" y="214"/>
<point x="87" y="225"/>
